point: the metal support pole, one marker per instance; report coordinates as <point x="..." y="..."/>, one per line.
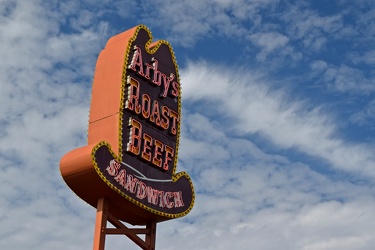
<point x="103" y="215"/>
<point x="101" y="224"/>
<point x="151" y="236"/>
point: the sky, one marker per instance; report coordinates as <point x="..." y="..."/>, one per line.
<point x="278" y="101"/>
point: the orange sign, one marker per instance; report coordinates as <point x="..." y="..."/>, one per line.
<point x="133" y="135"/>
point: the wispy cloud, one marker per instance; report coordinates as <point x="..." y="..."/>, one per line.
<point x="44" y="96"/>
<point x="253" y="107"/>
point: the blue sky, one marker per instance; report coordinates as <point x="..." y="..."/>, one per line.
<point x="277" y="130"/>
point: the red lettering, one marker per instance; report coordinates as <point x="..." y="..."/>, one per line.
<point x="147" y="143"/>
<point x="132" y="101"/>
<point x="134" y="143"/>
<point x="167" y="82"/>
<point x="175" y="119"/>
<point x="164" y="123"/>
<point x="168" y="156"/>
<point x="146" y="106"/>
<point x="148" y="67"/>
<point x="155" y="114"/>
<point x="168" y="203"/>
<point x="155" y="197"/>
<point x="137" y="61"/>
<point x="158" y="149"/>
<point x="157" y="74"/>
<point x="131" y="183"/>
<point x="175" y="89"/>
<point x="152" y="195"/>
<point x="113" y="167"/>
<point x="136" y="65"/>
<point x="178" y="202"/>
<point x="121" y="178"/>
<point x="141" y="190"/>
<point x="150" y="149"/>
<point x="161" y="199"/>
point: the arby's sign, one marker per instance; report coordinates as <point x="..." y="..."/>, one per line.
<point x="133" y="136"/>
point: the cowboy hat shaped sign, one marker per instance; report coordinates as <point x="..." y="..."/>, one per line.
<point x="133" y="134"/>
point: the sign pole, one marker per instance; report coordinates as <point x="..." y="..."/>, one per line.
<point x="151" y="236"/>
<point x="101" y="224"/>
<point x="103" y="215"/>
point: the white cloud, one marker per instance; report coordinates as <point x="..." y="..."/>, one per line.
<point x="344" y="78"/>
<point x="253" y="107"/>
<point x="367" y="57"/>
<point x="186" y="22"/>
<point x="318" y="65"/>
<point x="44" y="96"/>
<point x="303" y="22"/>
<point x="365" y="116"/>
<point x="268" y="42"/>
